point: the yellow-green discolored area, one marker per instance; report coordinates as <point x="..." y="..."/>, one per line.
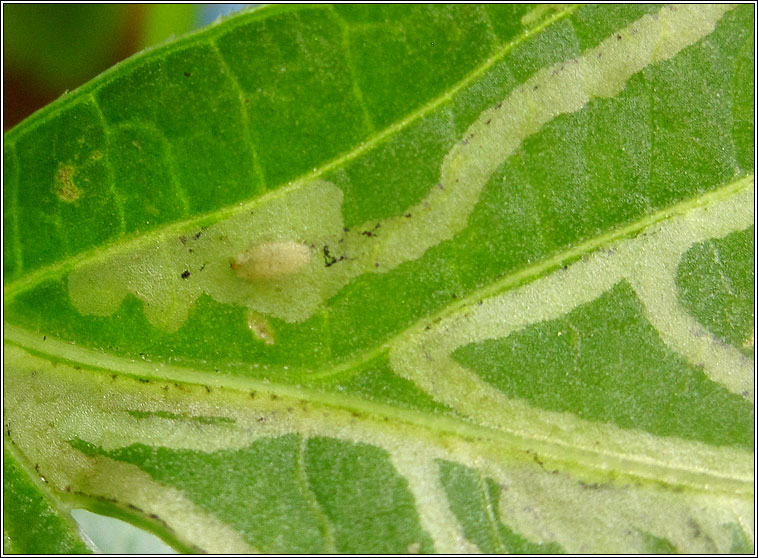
<point x="716" y="283"/>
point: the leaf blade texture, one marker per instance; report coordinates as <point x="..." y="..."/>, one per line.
<point x="383" y="279"/>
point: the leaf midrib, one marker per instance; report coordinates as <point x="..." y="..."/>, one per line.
<point x="137" y="240"/>
<point x="593" y="460"/>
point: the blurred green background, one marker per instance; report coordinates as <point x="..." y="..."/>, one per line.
<point x="53" y="48"/>
<point x="49" y="49"/>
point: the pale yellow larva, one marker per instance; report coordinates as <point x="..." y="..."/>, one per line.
<point x="270" y="261"/>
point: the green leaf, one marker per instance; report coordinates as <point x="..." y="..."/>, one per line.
<point x="384" y="279"/>
<point x="32" y="521"/>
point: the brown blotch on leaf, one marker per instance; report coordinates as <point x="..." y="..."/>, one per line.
<point x="66" y="189"/>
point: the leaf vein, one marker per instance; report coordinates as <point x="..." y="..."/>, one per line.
<point x="491" y="514"/>
<point x="167" y="156"/>
<point x="244" y="121"/>
<point x="118" y="201"/>
<point x="357" y="92"/>
<point x="327" y="529"/>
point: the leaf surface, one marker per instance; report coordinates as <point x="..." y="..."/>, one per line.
<point x="381" y="279"/>
<point x="26" y="502"/>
